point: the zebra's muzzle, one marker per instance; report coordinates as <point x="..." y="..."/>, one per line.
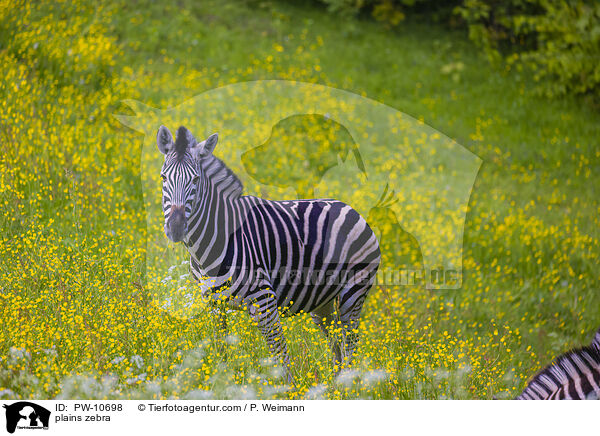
<point x="175" y="225"/>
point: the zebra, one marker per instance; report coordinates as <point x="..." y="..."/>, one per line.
<point x="299" y="256"/>
<point x="574" y="375"/>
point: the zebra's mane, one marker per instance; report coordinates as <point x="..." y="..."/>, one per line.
<point x="564" y="367"/>
<point x="219" y="172"/>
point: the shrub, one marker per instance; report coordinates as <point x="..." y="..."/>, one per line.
<point x="558" y="40"/>
<point x="391" y="12"/>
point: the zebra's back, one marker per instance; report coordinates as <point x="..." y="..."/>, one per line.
<point x="307" y="250"/>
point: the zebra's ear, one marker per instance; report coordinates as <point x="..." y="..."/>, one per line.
<point x="210" y="144"/>
<point x="164" y="140"/>
<point x="207" y="146"/>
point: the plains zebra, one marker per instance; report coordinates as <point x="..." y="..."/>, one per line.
<point x="573" y="376"/>
<point x="314" y="256"/>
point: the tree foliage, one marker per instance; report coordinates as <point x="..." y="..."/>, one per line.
<point x="558" y="41"/>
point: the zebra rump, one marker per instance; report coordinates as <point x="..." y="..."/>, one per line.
<point x="572" y="376"/>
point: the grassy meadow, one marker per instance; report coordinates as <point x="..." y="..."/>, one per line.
<point x="78" y="317"/>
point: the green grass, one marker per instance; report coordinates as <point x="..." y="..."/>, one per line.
<point x="532" y="233"/>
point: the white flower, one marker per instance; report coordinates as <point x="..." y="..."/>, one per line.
<point x="117" y="360"/>
<point x="137" y="360"/>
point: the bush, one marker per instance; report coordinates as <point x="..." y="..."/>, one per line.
<point x="558" y="40"/>
<point x="391" y="12"/>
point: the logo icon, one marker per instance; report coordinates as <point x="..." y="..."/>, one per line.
<point x="287" y="140"/>
<point x="26" y="415"/>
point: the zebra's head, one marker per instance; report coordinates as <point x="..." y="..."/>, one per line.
<point x="181" y="173"/>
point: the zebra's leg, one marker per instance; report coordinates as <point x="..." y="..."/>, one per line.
<point x="262" y="308"/>
<point x="325" y="318"/>
<point x="350" y="305"/>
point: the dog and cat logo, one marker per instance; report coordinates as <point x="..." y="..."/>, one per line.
<point x="26" y="415"/>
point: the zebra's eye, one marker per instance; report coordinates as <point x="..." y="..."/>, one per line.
<point x="195" y="179"/>
<point x="164" y="178"/>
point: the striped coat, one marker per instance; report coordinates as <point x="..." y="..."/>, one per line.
<point x="314" y="256"/>
<point x="573" y="376"/>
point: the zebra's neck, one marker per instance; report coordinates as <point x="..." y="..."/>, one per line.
<point x="216" y="215"/>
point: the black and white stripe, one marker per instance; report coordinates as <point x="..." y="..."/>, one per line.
<point x="312" y="256"/>
<point x="573" y="376"/>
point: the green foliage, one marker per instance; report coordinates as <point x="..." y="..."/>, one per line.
<point x="389" y="12"/>
<point x="559" y="41"/>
